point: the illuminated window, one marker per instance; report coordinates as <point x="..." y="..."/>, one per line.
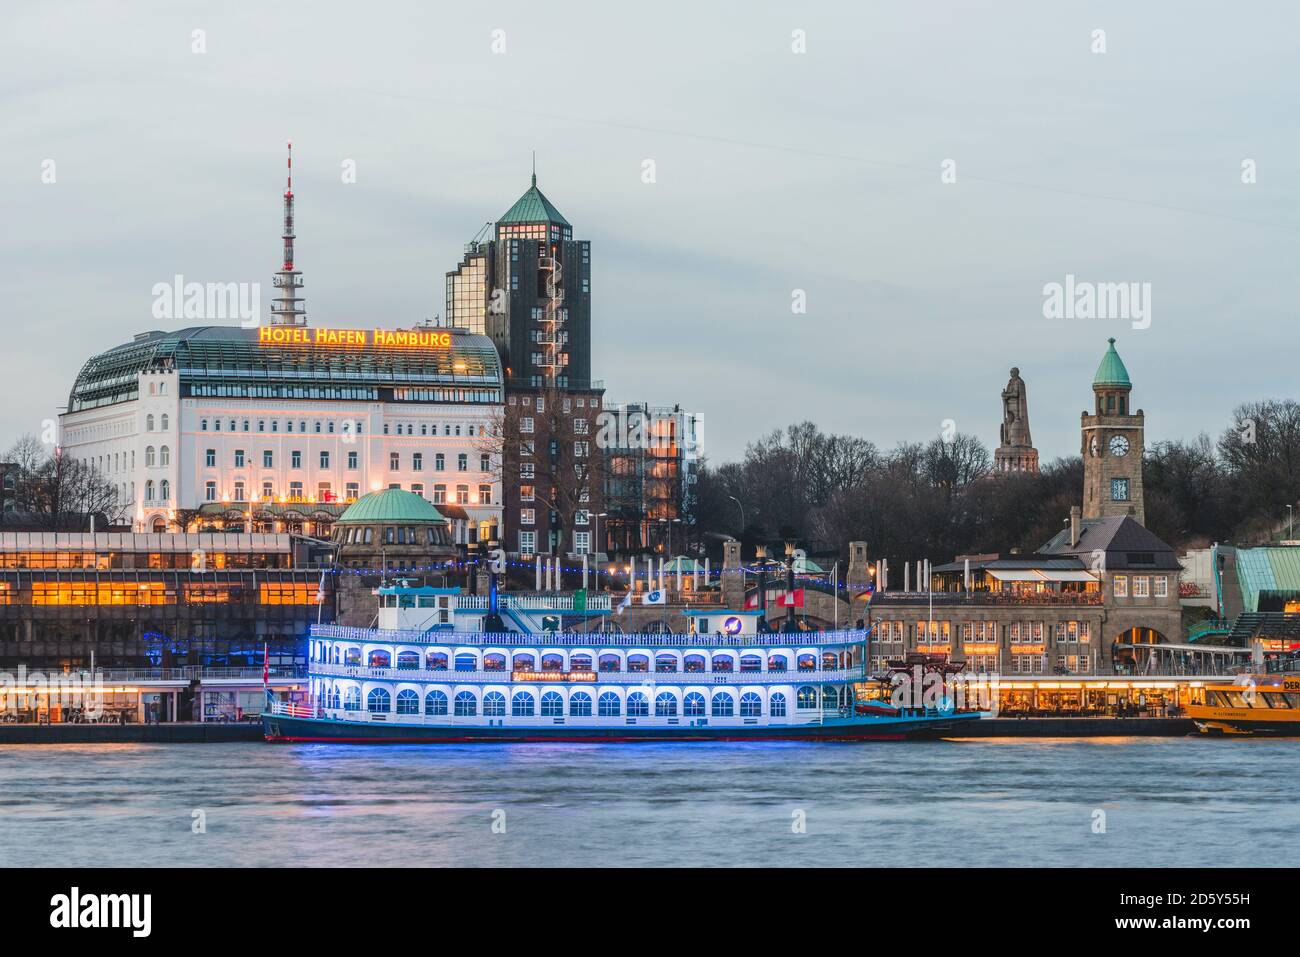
<point x="776" y="706"/>
<point x="408" y="702"/>
<point x="724" y="705"/>
<point x="378" y="701"/>
<point x="751" y="705"/>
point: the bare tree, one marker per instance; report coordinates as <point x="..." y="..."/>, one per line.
<point x="60" y="491"/>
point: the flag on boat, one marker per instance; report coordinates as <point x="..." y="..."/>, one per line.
<point x="627" y="600"/>
<point x="653" y="597"/>
<point x="867" y="593"/>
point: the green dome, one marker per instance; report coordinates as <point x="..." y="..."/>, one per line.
<point x="391" y="505"/>
<point x="1111" y="373"/>
<point x="533" y="207"/>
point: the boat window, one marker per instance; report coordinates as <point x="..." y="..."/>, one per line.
<point x="352" y="699"/>
<point x="378" y="701"/>
<point x="469" y="663"/>
<point x="751" y="663"/>
<point x="352" y="656"/>
<point x="666" y="705"/>
<point x="493" y="662"/>
<point x="435" y="704"/>
<point x="428" y="601"/>
<point x="524" y="662"/>
<point x="778" y="663"/>
<point x="807" y="663"/>
<point x="694" y="663"/>
<point x="580" y="705"/>
<point x="610" y="707"/>
<point x="610" y="663"/>
<point x="776" y="706"/>
<point x="638" y="705"/>
<point x="806" y="698"/>
<point x="408" y="702"/>
<point x="722" y="663"/>
<point x="665" y="664"/>
<point x="830" y="661"/>
<point x="466" y="703"/>
<point x="436" y="661"/>
<point x="380" y="659"/>
<point x="693" y="706"/>
<point x="552" y="662"/>
<point x="723" y="705"/>
<point x="751" y="705"/>
<point x="523" y="705"/>
<point x="408" y="660"/>
<point x="580" y="662"/>
<point x="494" y="704"/>
<point x="638" y="663"/>
<point x="552" y="705"/>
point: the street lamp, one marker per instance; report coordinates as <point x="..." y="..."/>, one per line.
<point x="742" y="512"/>
<point x="1290" y="513"/>
<point x="595" y="534"/>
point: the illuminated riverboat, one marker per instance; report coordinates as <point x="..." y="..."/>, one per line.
<point x="1267" y="702"/>
<point x="446" y="667"/>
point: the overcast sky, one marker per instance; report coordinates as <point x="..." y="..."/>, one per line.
<point x="775" y="171"/>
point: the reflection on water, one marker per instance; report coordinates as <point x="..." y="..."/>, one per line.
<point x="1030" y="802"/>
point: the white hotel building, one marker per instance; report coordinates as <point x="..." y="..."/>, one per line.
<point x="277" y="424"/>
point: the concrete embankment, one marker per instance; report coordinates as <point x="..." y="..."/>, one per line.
<point x="185" y="733"/>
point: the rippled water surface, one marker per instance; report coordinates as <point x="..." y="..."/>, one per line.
<point x="1175" y="801"/>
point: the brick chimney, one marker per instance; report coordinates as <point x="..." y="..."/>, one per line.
<point x="1076" y="513"/>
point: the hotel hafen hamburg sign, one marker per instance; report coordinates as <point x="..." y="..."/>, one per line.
<point x="378" y="338"/>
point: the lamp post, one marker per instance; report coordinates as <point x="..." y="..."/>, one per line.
<point x="1290" y="513"/>
<point x="742" y="512"/>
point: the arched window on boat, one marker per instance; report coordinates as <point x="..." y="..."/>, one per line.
<point x="666" y="705"/>
<point x="523" y="705"/>
<point x="778" y="663"/>
<point x="807" y="662"/>
<point x="334" y="699"/>
<point x="831" y="696"/>
<point x="580" y="663"/>
<point x="830" y="660"/>
<point x="352" y="699"/>
<point x="552" y="662"/>
<point x="693" y="664"/>
<point x="638" y="705"/>
<point x="610" y="707"/>
<point x="352" y="656"/>
<point x="494" y="704"/>
<point x="524" y="662"/>
<point x="408" y="660"/>
<point x="751" y="705"/>
<point x="467" y="662"/>
<point x="776" y="705"/>
<point x="379" y="659"/>
<point x="336" y="654"/>
<point x="378" y="701"/>
<point x="693" y="705"/>
<point x="665" y="664"/>
<point x="435" y="704"/>
<point x="723" y="663"/>
<point x="435" y="660"/>
<point x="552" y="705"/>
<point x="610" y="663"/>
<point x="806" y="698"/>
<point x="638" y="663"/>
<point x="408" y="702"/>
<point x="466" y="704"/>
<point x="580" y="705"/>
<point x="751" y="663"/>
<point x="724" y="706"/>
<point x="492" y="662"/>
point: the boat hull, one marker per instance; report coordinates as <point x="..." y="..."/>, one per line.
<point x="281" y="728"/>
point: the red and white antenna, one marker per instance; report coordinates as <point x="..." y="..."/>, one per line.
<point x="286" y="308"/>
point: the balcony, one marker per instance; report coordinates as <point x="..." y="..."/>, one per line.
<point x="675" y="678"/>
<point x="947" y="598"/>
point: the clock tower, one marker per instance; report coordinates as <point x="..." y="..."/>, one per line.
<point x="1112" y="446"/>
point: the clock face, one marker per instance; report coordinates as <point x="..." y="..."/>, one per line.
<point x="1119" y="446"/>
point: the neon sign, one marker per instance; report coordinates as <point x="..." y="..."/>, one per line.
<point x="381" y="338"/>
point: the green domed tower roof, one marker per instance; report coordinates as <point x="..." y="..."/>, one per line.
<point x="533" y="207"/>
<point x="391" y="505"/>
<point x="1111" y="373"/>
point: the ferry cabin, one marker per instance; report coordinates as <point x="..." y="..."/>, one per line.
<point x="431" y="662"/>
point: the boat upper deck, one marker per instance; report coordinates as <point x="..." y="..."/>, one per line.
<point x="443" y="636"/>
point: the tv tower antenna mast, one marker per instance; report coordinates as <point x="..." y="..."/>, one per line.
<point x="286" y="308"/>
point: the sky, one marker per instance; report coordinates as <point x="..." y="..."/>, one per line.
<point x="915" y="173"/>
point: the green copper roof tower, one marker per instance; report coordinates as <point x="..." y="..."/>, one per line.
<point x="1111" y="373"/>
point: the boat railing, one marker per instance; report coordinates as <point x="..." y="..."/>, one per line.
<point x="648" y="678"/>
<point x="290" y="709"/>
<point x="593" y="639"/>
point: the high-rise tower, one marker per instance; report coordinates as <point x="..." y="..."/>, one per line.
<point x="1016" y="452"/>
<point x="286" y="308"/>
<point x="1112" y="445"/>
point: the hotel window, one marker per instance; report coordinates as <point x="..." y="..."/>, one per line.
<point x="394" y="461"/>
<point x="582" y="543"/>
<point x="295" y="490"/>
<point x="527" y="447"/>
<point x="1121" y="586"/>
<point x="324" y="492"/>
<point x="353" y="490"/>
<point x="1141" y="586"/>
<point x="216" y="425"/>
<point x="580" y="426"/>
<point x="268" y="459"/>
<point x="439" y="462"/>
<point x="439" y="494"/>
<point x="288" y="426"/>
<point x="239" y="491"/>
<point x="417" y="461"/>
<point x="164" y="490"/>
<point x="580" y="449"/>
<point x="261" y="425"/>
<point x="527" y="543"/>
<point x="1085" y="631"/>
<point x="462" y="494"/>
<point x="245" y="425"/>
<point x="352" y="460"/>
<point x="275" y="425"/>
<point x="148" y="491"/>
<point x="485" y="494"/>
<point x="526" y="493"/>
<point x="148" y="423"/>
<point x="526" y="470"/>
<point x="210" y="458"/>
<point x="210" y="491"/>
<point x="268" y="490"/>
<point x="581" y="517"/>
<point x="418" y="489"/>
<point x="1162" y="586"/>
<point x="526" y="424"/>
<point x="1036" y="631"/>
<point x="295" y="460"/>
<point x="485" y="463"/>
<point x="203" y="425"/>
<point x="1013" y="631"/>
<point x="239" y="459"/>
<point x="462" y="462"/>
<point x="324" y="460"/>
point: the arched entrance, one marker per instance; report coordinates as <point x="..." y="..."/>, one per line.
<point x="1135" y="652"/>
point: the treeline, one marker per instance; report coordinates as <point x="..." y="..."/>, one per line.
<point x="52" y="492"/>
<point x="941" y="498"/>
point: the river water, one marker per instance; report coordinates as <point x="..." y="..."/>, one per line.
<point x="1018" y="802"/>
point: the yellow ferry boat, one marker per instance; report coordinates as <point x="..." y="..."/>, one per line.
<point x="1267" y="702"/>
